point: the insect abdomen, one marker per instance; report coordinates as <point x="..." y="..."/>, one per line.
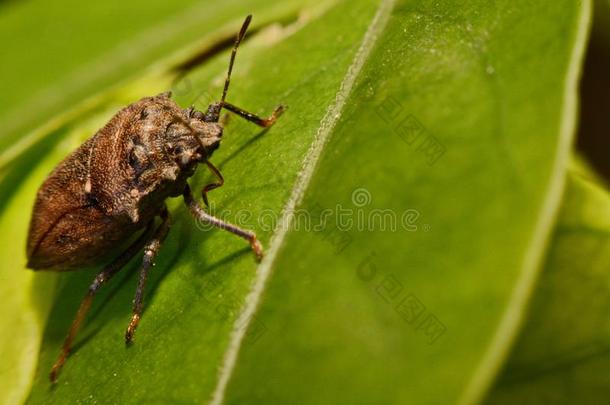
<point x="67" y="229"/>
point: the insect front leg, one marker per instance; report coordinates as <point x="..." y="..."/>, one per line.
<point x="150" y="252"/>
<point x="103" y="277"/>
<point x="261" y="122"/>
<point x="199" y="213"/>
<point x="211" y="186"/>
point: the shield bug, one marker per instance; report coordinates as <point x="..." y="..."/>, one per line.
<point x="108" y="193"/>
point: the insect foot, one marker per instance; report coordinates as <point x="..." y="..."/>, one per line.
<point x="131" y="329"/>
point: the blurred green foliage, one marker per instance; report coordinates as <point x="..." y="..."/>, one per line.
<point x="456" y="120"/>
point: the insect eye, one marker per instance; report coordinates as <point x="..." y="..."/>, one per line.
<point x="144" y="114"/>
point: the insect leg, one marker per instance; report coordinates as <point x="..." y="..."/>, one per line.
<point x="150" y="252"/>
<point x="199" y="213"/>
<point x="105" y="275"/>
<point x="261" y="122"/>
<point x="211" y="186"/>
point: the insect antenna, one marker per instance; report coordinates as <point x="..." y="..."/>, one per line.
<point x="240" y="36"/>
<point x="213" y="113"/>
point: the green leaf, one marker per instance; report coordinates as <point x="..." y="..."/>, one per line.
<point x="355" y="324"/>
<point x="140" y="36"/>
<point x="562" y="352"/>
<point x="427" y="111"/>
<point x="194" y="306"/>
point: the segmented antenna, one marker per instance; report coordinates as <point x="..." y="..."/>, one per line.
<point x="240" y="36"/>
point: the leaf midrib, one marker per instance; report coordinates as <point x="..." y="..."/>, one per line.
<point x="327" y="124"/>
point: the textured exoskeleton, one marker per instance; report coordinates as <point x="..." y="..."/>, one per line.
<point x="106" y="195"/>
<point x="115" y="183"/>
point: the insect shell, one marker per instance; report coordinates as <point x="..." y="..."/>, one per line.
<point x="117" y="182"/>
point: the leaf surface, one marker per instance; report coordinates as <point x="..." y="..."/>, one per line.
<point x="438" y="128"/>
<point x="562" y="352"/>
<point x="412" y="114"/>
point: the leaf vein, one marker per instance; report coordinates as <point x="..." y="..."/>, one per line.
<point x="328" y="122"/>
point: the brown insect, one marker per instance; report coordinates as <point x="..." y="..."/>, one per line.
<point x="115" y="185"/>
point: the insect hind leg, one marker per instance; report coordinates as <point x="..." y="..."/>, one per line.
<point x="150" y="253"/>
<point x="103" y="277"/>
